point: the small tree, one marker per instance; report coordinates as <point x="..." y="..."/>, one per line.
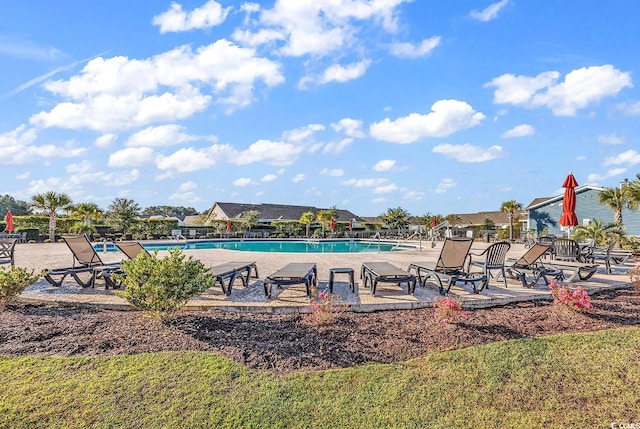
<point x="87" y="213"/>
<point x="13" y="281"/>
<point x="599" y="232"/>
<point x="122" y="214"/>
<point x="249" y="218"/>
<point x="162" y="286"/>
<point x="50" y="202"/>
<point x="325" y="216"/>
<point x="397" y="218"/>
<point x="512" y="208"/>
<point x="306" y="218"/>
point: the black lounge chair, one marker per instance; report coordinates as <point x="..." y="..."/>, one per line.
<point x="85" y="260"/>
<point x="374" y="272"/>
<point x="132" y="249"/>
<point x="291" y="274"/>
<point x="7" y="250"/>
<point x="529" y="264"/>
<point x="225" y="274"/>
<point x="450" y="268"/>
<point x="610" y="256"/>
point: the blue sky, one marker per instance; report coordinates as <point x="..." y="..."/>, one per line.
<point x="432" y="106"/>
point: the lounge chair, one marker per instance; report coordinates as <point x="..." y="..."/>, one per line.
<point x="132" y="249"/>
<point x="225" y="274"/>
<point x="85" y="260"/>
<point x="449" y="268"/>
<point x="374" y="272"/>
<point x="293" y="273"/>
<point x="7" y="250"/>
<point x="530" y="264"/>
<point x="610" y="256"/>
<point x="494" y="259"/>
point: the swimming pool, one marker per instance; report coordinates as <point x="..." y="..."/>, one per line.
<point x="290" y="246"/>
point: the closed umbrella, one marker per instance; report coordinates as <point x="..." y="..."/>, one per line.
<point x="351" y="224"/>
<point x="333" y="224"/>
<point x="569" y="218"/>
<point x="9" y="221"/>
<point x="229" y="226"/>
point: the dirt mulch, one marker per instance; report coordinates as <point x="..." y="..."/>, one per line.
<point x="287" y="343"/>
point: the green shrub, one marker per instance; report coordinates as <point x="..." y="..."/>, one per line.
<point x="13" y="281"/>
<point x="162" y="286"/>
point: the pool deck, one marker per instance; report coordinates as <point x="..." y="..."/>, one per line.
<point x="293" y="299"/>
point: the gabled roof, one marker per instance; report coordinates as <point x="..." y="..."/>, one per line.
<point x="538" y="202"/>
<point x="468" y="219"/>
<point x="272" y="212"/>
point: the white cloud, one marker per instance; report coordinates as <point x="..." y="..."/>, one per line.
<point x="303" y="133"/>
<point x="337" y="146"/>
<point x="175" y="19"/>
<point x="384" y="165"/>
<point x="190" y="159"/>
<point x="630" y="157"/>
<point x="243" y="181"/>
<point x="339" y="73"/>
<point x="468" y="153"/>
<point x="298" y="178"/>
<point x="596" y="178"/>
<point x="121" y="93"/>
<point x="580" y="88"/>
<point x="385" y="189"/>
<point x="268" y="178"/>
<point x="612" y="139"/>
<point x="269" y="152"/>
<point x="162" y="135"/>
<point x="409" y="50"/>
<point x="521" y="130"/>
<point x="131" y="157"/>
<point x="18" y="147"/>
<point x="490" y="12"/>
<point x="334" y="172"/>
<point x="629" y="109"/>
<point x="106" y="140"/>
<point x="366" y="183"/>
<point x="350" y="127"/>
<point x="446" y="117"/>
<point x="187" y="186"/>
<point x="445" y="185"/>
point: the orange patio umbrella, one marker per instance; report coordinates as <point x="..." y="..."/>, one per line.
<point x="229" y="225"/>
<point x="9" y="221"/>
<point x="333" y="224"/>
<point x="569" y="218"/>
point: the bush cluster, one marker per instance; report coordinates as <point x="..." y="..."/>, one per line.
<point x="162" y="286"/>
<point x="13" y="281"/>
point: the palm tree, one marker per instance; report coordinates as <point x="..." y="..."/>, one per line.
<point x="306" y="218"/>
<point x="512" y="208"/>
<point x="122" y="214"/>
<point x="325" y="216"/>
<point x="397" y="218"/>
<point x="50" y="202"/>
<point x="616" y="199"/>
<point x="598" y="232"/>
<point x="87" y="212"/>
<point x="249" y="218"/>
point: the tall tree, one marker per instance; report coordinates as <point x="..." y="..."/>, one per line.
<point x="122" y="214"/>
<point x="616" y="199"/>
<point x="306" y="218"/>
<point x="397" y="218"/>
<point x="17" y="207"/>
<point x="49" y="203"/>
<point x="512" y="208"/>
<point x="169" y="211"/>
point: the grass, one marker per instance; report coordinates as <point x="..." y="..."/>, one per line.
<point x="577" y="380"/>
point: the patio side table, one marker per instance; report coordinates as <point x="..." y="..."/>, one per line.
<point x="349" y="271"/>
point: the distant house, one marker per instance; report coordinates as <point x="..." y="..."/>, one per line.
<point x="272" y="212"/>
<point x="545" y="212"/>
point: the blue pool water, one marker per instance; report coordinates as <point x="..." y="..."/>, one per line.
<point x="292" y="246"/>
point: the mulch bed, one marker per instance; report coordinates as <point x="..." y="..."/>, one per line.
<point x="287" y="343"/>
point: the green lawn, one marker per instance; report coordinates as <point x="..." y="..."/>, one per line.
<point x="578" y="380"/>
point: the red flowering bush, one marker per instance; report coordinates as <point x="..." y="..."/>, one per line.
<point x="324" y="308"/>
<point x="576" y="299"/>
<point x="448" y="310"/>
